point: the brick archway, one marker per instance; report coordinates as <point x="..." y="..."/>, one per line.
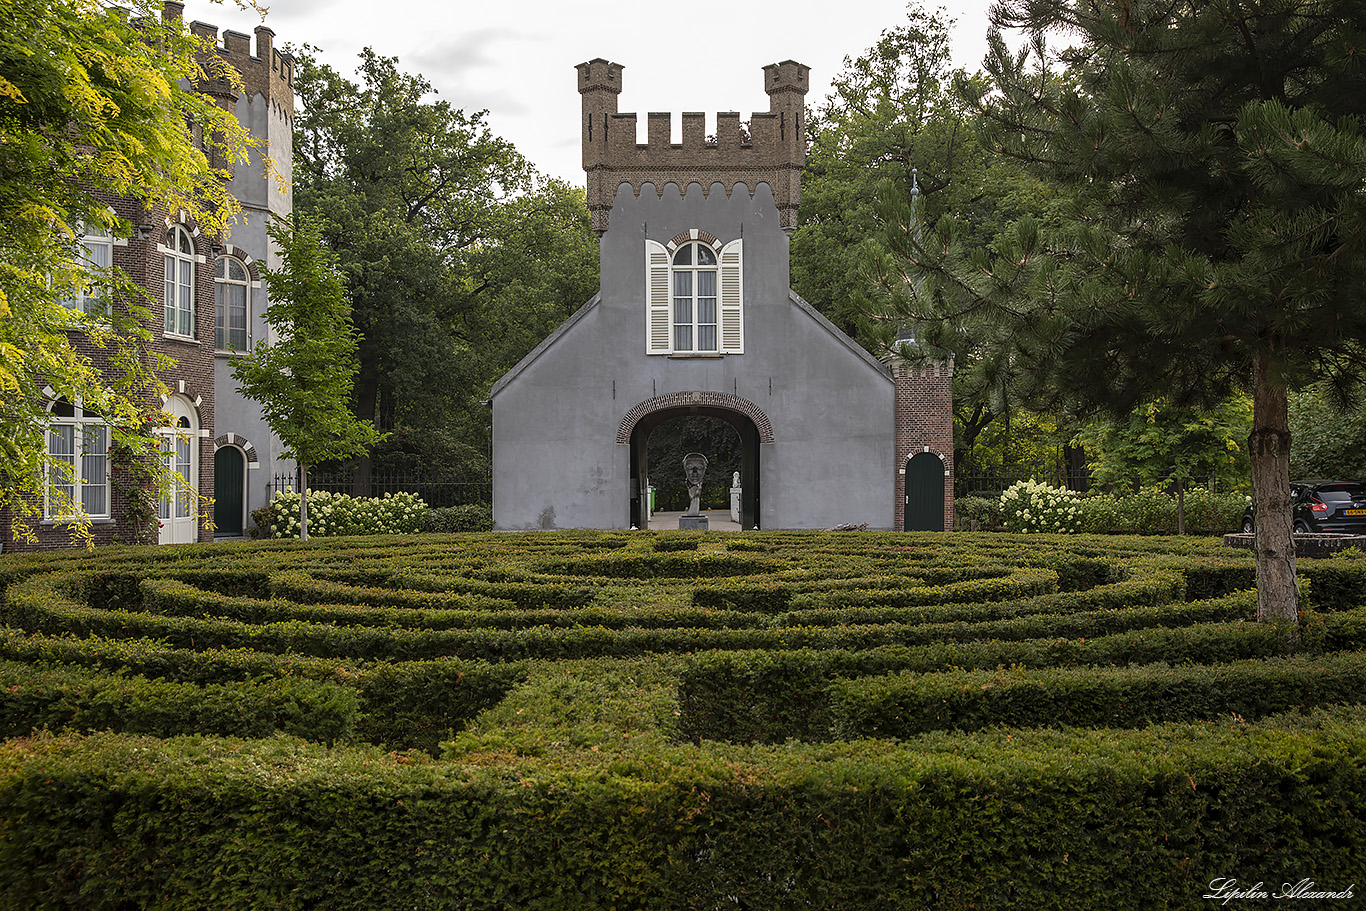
<point x="676" y="400"/>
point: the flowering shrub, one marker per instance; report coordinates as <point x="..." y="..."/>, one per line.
<point x="1028" y="506"/>
<point x="332" y="514"/>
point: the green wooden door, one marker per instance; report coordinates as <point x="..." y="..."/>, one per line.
<point x="924" y="493"/>
<point x="229" y="488"/>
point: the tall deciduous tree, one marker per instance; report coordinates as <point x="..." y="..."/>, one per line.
<point x="407" y="188"/>
<point x="1158" y="443"/>
<point x="93" y="103"/>
<point x="1214" y="162"/>
<point x="303" y="380"/>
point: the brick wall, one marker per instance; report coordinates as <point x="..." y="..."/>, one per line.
<point x="924" y="423"/>
<point x="773" y="152"/>
<point x="192" y="374"/>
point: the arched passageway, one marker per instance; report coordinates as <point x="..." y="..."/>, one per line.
<point x="748" y="422"/>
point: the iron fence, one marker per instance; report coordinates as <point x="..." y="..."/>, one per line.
<point x="436" y="489"/>
<point x="974" y="481"/>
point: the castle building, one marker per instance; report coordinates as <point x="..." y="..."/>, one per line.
<point x="208" y="303"/>
<point x="694" y="316"/>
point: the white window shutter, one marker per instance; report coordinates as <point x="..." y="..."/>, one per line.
<point x="658" y="328"/>
<point x="732" y="299"/>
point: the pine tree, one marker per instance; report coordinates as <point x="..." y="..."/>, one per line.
<point x="1215" y="237"/>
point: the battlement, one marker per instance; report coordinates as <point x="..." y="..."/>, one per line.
<point x="268" y="73"/>
<point x="772" y="150"/>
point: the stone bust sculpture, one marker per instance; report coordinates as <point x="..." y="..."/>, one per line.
<point x="694" y="467"/>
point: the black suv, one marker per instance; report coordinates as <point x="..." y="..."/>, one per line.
<point x="1324" y="506"/>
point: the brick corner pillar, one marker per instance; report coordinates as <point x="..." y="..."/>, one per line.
<point x="924" y="425"/>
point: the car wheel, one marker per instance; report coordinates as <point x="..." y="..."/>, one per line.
<point x="1302" y="527"/>
<point x="1247" y="525"/>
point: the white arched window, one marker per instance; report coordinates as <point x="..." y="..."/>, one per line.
<point x="179" y="286"/>
<point x="694" y="300"/>
<point x="232" y="305"/>
<point x="78" y="463"/>
<point x="97" y="253"/>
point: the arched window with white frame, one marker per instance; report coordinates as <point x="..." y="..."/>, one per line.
<point x="78" y="463"/>
<point x="97" y="254"/>
<point x="178" y="257"/>
<point x="694" y="301"/>
<point x="232" y="305"/>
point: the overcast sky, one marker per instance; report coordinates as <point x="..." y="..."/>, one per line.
<point x="516" y="58"/>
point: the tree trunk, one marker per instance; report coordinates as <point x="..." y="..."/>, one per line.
<point x="303" y="501"/>
<point x="1277" y="590"/>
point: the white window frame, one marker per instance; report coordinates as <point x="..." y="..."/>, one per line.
<point x="87" y="474"/>
<point x="695" y="315"/>
<point x="222" y="288"/>
<point x="178" y="286"/>
<point x="661" y="326"/>
<point x="89" y="300"/>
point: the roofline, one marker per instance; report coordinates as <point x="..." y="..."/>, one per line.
<point x="550" y="339"/>
<point x="844" y="339"/>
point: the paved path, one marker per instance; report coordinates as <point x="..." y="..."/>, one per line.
<point x="717" y="520"/>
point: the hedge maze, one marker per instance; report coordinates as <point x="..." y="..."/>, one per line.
<point x="673" y="721"/>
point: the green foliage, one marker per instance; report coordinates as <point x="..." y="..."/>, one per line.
<point x="892" y="125"/>
<point x="94" y="102"/>
<point x="458" y="258"/>
<point x="1028" y="506"/>
<point x="1211" y="163"/>
<point x="903" y="705"/>
<point x="1326" y="436"/>
<point x="1159" y="442"/>
<point x="470" y="517"/>
<point x="303" y="379"/>
<point x="1153" y="511"/>
<point x="978" y="514"/>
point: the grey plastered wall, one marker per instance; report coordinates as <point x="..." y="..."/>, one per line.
<point x="260" y="194"/>
<point x="556" y="415"/>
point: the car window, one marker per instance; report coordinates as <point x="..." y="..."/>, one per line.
<point x="1342" y="493"/>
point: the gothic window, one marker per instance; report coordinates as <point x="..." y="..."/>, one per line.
<point x="694" y="301"/>
<point x="232" y="305"/>
<point x="179" y="285"/>
<point x="78" y="463"/>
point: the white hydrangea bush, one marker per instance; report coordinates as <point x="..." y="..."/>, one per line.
<point x="1029" y="506"/>
<point x="331" y="514"/>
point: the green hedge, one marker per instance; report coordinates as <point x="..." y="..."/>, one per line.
<point x="59" y="699"/>
<point x="539" y="720"/>
<point x="1077" y="820"/>
<point x="902" y="705"/>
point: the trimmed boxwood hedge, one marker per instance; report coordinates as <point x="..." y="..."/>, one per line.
<point x="672" y="720"/>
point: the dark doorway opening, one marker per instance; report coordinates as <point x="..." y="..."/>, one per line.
<point x="924" y="493"/>
<point x="729" y="440"/>
<point x="229" y="491"/>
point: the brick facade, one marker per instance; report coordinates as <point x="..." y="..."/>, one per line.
<point x="924" y="423"/>
<point x="773" y="152"/>
<point x="268" y="74"/>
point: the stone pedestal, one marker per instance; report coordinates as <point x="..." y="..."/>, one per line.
<point x="692" y="523"/>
